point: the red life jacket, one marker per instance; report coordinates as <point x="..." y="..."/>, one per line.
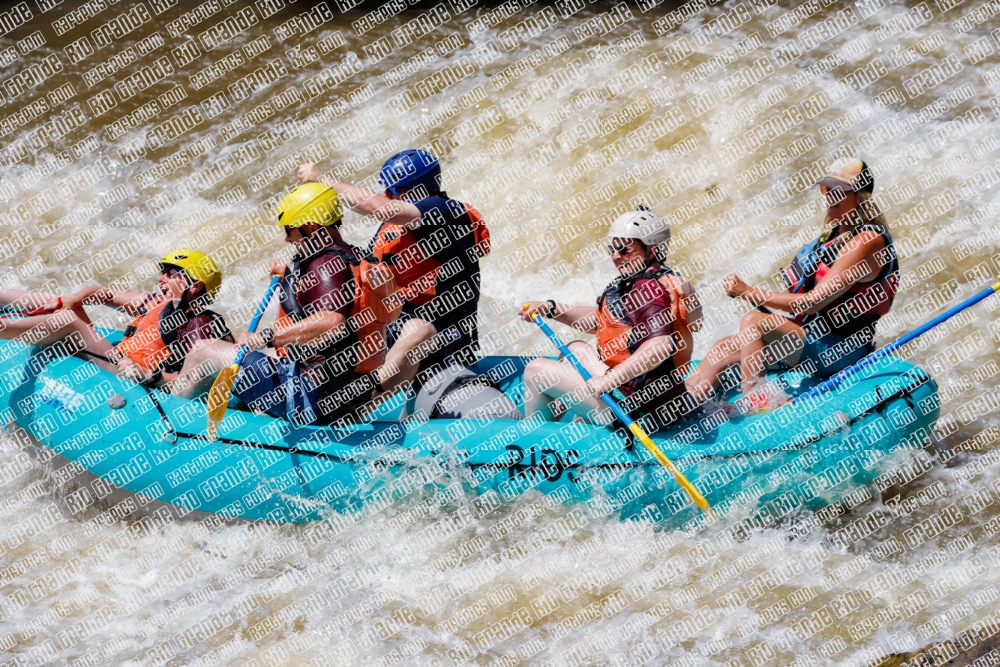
<point x="414" y="267"/>
<point x="860" y="306"/>
<point x="615" y="339"/>
<point x="375" y="305"/>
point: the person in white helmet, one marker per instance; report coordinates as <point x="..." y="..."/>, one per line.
<point x="644" y="322"/>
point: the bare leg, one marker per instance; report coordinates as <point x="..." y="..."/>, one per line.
<point x="403" y="360"/>
<point x="704" y="378"/>
<point x="201" y="366"/>
<point x="767" y="339"/>
<point x="547" y="380"/>
<point x="66" y="327"/>
<point x="26" y="299"/>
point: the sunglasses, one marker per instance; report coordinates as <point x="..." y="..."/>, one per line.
<point x="833" y="195"/>
<point x="620" y="248"/>
<point x="172" y="271"/>
<point x="396" y="190"/>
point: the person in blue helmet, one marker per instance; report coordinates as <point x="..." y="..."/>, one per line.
<point x="433" y="245"/>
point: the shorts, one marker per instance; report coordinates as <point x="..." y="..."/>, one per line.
<point x="831" y="353"/>
<point x="281" y="388"/>
<point x="453" y="344"/>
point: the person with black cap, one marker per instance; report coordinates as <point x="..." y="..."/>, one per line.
<point x="432" y="244"/>
<point x="839" y="285"/>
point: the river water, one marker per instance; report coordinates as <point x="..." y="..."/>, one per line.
<point x="182" y="131"/>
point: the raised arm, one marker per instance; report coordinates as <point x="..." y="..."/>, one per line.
<point x="365" y="201"/>
<point x="857" y="261"/>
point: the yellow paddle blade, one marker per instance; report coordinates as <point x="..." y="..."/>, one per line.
<point x="218" y="398"/>
<point x="671" y="468"/>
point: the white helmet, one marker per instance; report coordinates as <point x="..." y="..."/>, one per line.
<point x="644" y="225"/>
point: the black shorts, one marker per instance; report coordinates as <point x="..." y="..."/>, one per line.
<point x="283" y="389"/>
<point x="451" y="345"/>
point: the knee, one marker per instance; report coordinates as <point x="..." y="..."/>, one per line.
<point x="540" y="374"/>
<point x="752" y="325"/>
<point x="750" y="321"/>
<point x="62" y="319"/>
<point x="534" y="368"/>
<point x="66" y="321"/>
<point x="417" y="330"/>
<point x="207" y="348"/>
<point x="202" y="346"/>
<point x="582" y="351"/>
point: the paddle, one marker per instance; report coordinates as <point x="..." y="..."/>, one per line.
<point x="625" y="418"/>
<point x="896" y="344"/>
<point x="222" y="388"/>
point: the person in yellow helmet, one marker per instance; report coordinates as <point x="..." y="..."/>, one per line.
<point x="306" y="368"/>
<point x="433" y="244"/>
<point x="165" y="328"/>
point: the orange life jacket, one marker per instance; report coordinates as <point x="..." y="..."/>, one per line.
<point x="480" y="233"/>
<point x="144" y="342"/>
<point x="615" y="340"/>
<point x="375" y="304"/>
<point x="149" y="340"/>
<point x="414" y="268"/>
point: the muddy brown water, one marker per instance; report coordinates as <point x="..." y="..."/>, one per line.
<point x="131" y="132"/>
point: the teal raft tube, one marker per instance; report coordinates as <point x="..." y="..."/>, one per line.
<point x="153" y="444"/>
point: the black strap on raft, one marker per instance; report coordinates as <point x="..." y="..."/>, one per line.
<point x="172" y="435"/>
<point x="154" y="377"/>
<point x="903" y="393"/>
<point x="880" y="404"/>
<point x="97" y="356"/>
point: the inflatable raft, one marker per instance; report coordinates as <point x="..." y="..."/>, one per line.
<point x="153" y="444"/>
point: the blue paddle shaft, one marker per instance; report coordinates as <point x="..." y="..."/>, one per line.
<point x="895" y="345"/>
<point x="261" y="307"/>
<point x="610" y="402"/>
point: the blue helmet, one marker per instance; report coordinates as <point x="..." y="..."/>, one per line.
<point x="410" y="168"/>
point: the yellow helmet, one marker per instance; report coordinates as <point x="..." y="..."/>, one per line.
<point x="310" y="202"/>
<point x="198" y="266"/>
